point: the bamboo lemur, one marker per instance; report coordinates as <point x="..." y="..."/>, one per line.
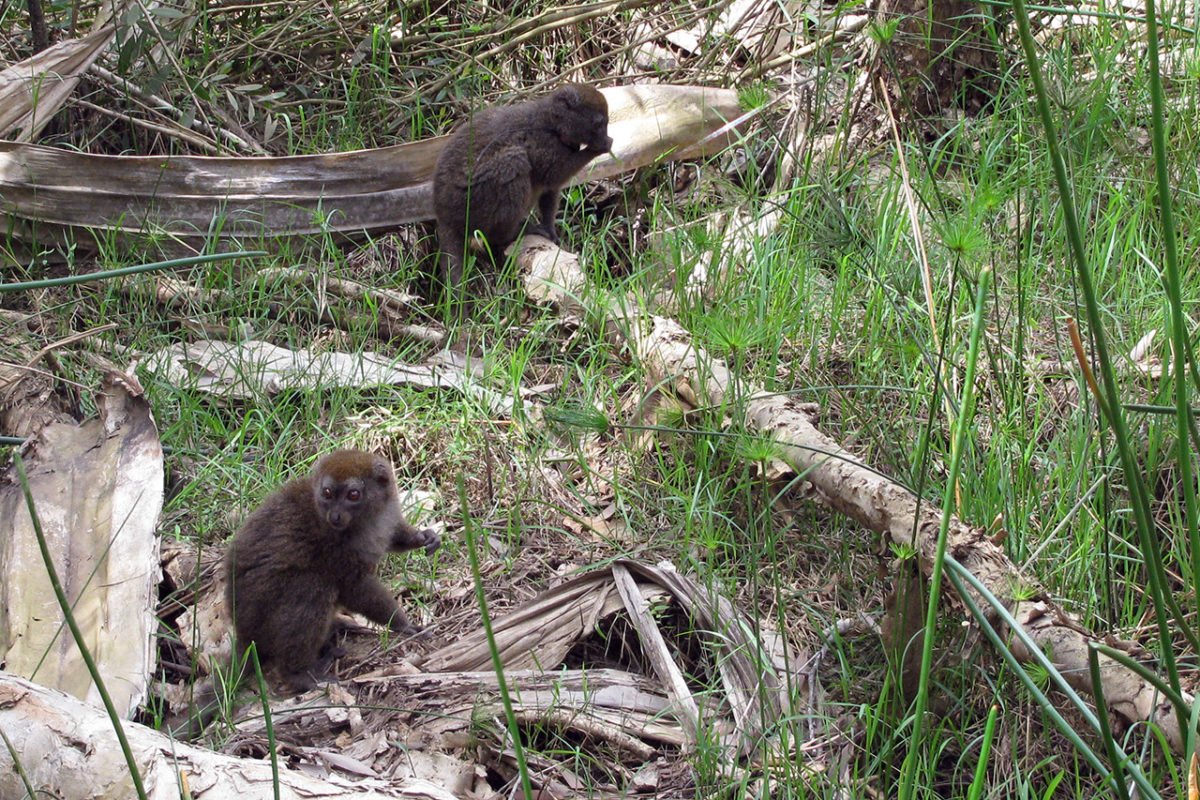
<point x="505" y="160"/>
<point x="311" y="547"/>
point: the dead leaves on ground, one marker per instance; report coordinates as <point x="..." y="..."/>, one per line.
<point x="635" y="663"/>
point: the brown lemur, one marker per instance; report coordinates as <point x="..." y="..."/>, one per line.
<point x="311" y="547"/>
<point x="505" y="160"/>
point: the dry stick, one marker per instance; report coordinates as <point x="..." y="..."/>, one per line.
<point x="335" y="14"/>
<point x="582" y="67"/>
<point x="655" y="648"/>
<point x="949" y="389"/>
<point x="47" y="374"/>
<point x="1067" y="519"/>
<point x="524" y="31"/>
<point x="393" y="305"/>
<point x="68" y="340"/>
<point x="170" y="56"/>
<point x="285" y="33"/>
<point x="841" y="33"/>
<point x="846" y="484"/>
<point x="397" y="301"/>
<point x="175" y="132"/>
<point x="50" y="348"/>
<point x="572" y="720"/>
<point x="158" y="104"/>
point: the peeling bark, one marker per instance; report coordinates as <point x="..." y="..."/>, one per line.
<point x="97" y="488"/>
<point x="68" y="750"/>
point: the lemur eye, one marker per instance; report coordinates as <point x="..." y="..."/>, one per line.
<point x="354" y="495"/>
<point x="327" y="493"/>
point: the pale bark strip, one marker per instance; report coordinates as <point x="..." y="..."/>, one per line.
<point x="654" y="646"/>
<point x="33" y="90"/>
<point x="97" y="488"/>
<point x="251" y="368"/>
<point x="753" y="664"/>
<point x="608" y="699"/>
<point x="69" y="751"/>
<point x="671" y="357"/>
<point x="572" y="720"/>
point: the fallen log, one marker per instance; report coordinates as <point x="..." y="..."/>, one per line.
<point x="675" y="362"/>
<point x="193" y="198"/>
<point x="68" y="749"/>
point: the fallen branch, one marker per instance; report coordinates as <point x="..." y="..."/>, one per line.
<point x="846" y="484"/>
<point x="67" y="749"/>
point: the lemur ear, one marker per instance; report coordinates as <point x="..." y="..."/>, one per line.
<point x="570" y="96"/>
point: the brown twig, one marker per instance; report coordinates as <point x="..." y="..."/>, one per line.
<point x="37" y="26"/>
<point x="172" y="131"/>
<point x="519" y="33"/>
<point x="68" y="340"/>
<point x="1082" y="360"/>
<point x="158" y="105"/>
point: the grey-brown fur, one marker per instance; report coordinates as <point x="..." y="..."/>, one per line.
<point x="505" y="160"/>
<point x="310" y="548"/>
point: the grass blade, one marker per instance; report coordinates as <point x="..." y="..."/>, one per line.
<point x="1115" y="759"/>
<point x="963" y="580"/>
<point x="68" y="280"/>
<point x="1180" y="347"/>
<point x="1139" y="499"/>
<point x="935" y="578"/>
<point x="272" y="746"/>
<point x="481" y="597"/>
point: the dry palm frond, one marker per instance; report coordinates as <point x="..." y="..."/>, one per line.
<point x="186" y="197"/>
